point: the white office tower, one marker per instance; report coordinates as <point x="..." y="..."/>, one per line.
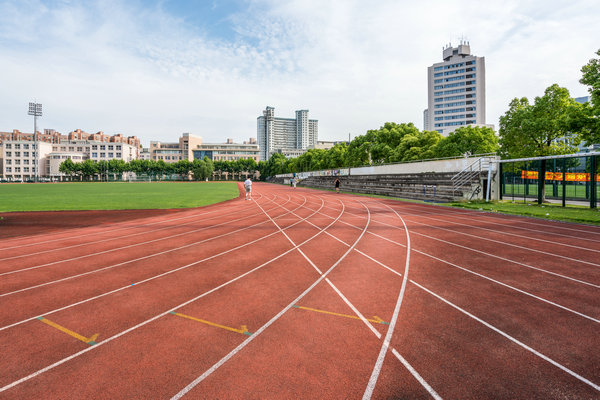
<point x="456" y="90"/>
<point x="285" y="134"/>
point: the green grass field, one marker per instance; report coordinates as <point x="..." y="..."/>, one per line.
<point x="113" y="195"/>
<point x="574" y="191"/>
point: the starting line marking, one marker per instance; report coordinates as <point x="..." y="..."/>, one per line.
<point x="91" y="341"/>
<point x="375" y="319"/>
<point x="243" y="329"/>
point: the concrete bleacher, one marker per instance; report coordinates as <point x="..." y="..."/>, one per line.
<point x="429" y="186"/>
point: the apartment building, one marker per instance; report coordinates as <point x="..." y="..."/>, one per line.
<point x="456" y="90"/>
<point x="285" y="135"/>
<point x="190" y="147"/>
<point x="18" y="156"/>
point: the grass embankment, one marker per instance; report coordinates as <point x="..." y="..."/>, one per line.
<point x="113" y="195"/>
<point x="555" y="212"/>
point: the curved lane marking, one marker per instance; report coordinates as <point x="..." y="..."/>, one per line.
<point x="233" y="352"/>
<point x="118" y="335"/>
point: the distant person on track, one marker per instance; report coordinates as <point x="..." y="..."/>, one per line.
<point x="294" y="183"/>
<point x="248" y="186"/>
<point x="337" y="185"/>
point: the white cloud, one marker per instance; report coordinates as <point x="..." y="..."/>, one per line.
<point x="117" y="67"/>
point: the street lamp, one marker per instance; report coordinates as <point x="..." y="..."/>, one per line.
<point x="35" y="109"/>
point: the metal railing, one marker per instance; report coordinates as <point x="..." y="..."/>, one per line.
<point x="471" y="171"/>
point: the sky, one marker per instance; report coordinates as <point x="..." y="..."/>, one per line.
<point x="158" y="68"/>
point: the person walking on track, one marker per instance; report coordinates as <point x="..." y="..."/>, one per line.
<point x="248" y="186"/>
<point x="337" y="185"/>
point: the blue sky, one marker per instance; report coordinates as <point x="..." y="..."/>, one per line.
<point x="156" y="69"/>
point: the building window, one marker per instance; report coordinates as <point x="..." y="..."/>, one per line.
<point x="94" y="147"/>
<point x="118" y="155"/>
<point x="17" y="154"/>
<point x="8" y="145"/>
<point x="94" y="155"/>
<point x="110" y="155"/>
<point x="111" y="147"/>
<point x="102" y="155"/>
<point x="8" y="169"/>
<point x="26" y="162"/>
<point x="8" y="162"/>
<point x="8" y="154"/>
<point x="119" y="147"/>
<point x="25" y="169"/>
<point x="80" y="149"/>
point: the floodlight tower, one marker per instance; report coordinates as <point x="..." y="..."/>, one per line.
<point x="35" y="109"/>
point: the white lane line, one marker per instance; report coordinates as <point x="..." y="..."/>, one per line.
<point x="110" y="339"/>
<point x="512" y="339"/>
<point x="344" y="298"/>
<point x="417" y="376"/>
<point x="140" y="282"/>
<point x="233" y="352"/>
<point x="388" y="337"/>
<point x="505" y="217"/>
<point x="481" y="275"/>
<point x="506" y="233"/>
<point x="422" y="381"/>
<point x="487" y="254"/>
<point x="487" y="325"/>
<point x="492" y="280"/>
<point x="509" y="260"/>
<point x="144" y="257"/>
<point x="503" y="243"/>
<point x="487" y="222"/>
<point x="117" y="249"/>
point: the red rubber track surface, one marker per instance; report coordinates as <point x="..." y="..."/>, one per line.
<point x="298" y="294"/>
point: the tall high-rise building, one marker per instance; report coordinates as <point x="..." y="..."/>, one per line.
<point x="284" y="134"/>
<point x="456" y="90"/>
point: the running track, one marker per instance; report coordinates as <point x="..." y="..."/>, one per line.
<point x="303" y="294"/>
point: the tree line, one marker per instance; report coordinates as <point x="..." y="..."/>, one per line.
<point x="88" y="169"/>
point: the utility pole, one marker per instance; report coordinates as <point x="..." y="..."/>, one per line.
<point x="35" y="109"/>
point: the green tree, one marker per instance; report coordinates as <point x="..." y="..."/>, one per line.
<point x="88" y="168"/>
<point x="116" y="167"/>
<point x="467" y="139"/>
<point x="588" y="120"/>
<point x="199" y="169"/>
<point x="68" y="167"/>
<point x="540" y="129"/>
<point x="416" y="145"/>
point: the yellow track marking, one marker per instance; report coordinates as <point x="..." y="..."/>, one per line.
<point x="243" y="329"/>
<point x="375" y="319"/>
<point x="90" y="341"/>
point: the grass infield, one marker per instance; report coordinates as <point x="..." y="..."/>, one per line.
<point x="113" y="195"/>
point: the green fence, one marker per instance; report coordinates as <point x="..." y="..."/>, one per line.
<point x="569" y="179"/>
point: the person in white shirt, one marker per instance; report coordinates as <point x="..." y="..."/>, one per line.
<point x="248" y="186"/>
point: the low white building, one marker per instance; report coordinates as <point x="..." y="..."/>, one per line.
<point x="18" y="156"/>
<point x="18" y="159"/>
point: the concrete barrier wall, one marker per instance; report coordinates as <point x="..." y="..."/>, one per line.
<point x="451" y="165"/>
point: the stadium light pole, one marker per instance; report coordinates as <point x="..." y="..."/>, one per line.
<point x="35" y="109"/>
